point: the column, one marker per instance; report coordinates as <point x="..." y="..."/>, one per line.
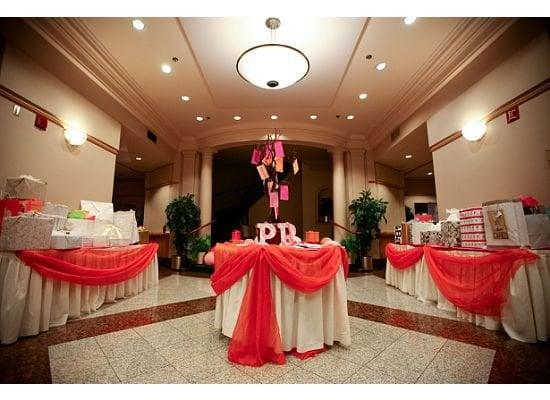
<point x="205" y="201"/>
<point x="338" y="193"/>
<point x="187" y="182"/>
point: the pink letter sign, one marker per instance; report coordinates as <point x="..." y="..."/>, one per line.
<point x="288" y="233"/>
<point x="267" y="231"/>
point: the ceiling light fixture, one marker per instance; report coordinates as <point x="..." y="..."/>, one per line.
<point x="362" y="96"/>
<point x="350" y="116"/>
<point x="185" y="98"/>
<point x="237" y="117"/>
<point x="272" y="65"/>
<point x="138" y="24"/>
<point x="474" y="130"/>
<point x="381" y="66"/>
<point x="138" y="158"/>
<point x="408" y="156"/>
<point x="274" y="117"/>
<point x="409" y="20"/>
<point x="199" y="118"/>
<point x="313" y="116"/>
<point x="75" y="137"/>
<point x="166" y="68"/>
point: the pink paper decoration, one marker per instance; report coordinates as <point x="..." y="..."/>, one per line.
<point x="288" y="233"/>
<point x="295" y="166"/>
<point x="279" y="164"/>
<point x="279" y="150"/>
<point x="262" y="171"/>
<point x="283" y="192"/>
<point x="256" y="156"/>
<point x="273" y="200"/>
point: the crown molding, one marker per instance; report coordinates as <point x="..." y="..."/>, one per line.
<point x="469" y="38"/>
<point x="72" y="38"/>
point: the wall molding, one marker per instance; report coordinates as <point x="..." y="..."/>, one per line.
<point x="522" y="98"/>
<point x="35" y="108"/>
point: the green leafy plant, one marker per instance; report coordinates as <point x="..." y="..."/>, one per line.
<point x="199" y="244"/>
<point x="367" y="212"/>
<point x="351" y="243"/>
<point x="183" y="216"/>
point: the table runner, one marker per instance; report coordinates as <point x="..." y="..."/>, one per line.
<point x="90" y="266"/>
<point x="256" y="339"/>
<point x="477" y="283"/>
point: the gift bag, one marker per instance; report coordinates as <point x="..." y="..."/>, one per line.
<point x="126" y="222"/>
<point x="538" y="228"/>
<point x="505" y="223"/>
<point x="99" y="210"/>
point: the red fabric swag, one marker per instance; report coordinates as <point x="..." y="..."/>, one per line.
<point x="89" y="266"/>
<point x="403" y="259"/>
<point x="476" y="284"/>
<point x="256" y="338"/>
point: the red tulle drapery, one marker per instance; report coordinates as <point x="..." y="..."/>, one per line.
<point x="89" y="266"/>
<point x="403" y="258"/>
<point x="256" y="337"/>
<point x="475" y="282"/>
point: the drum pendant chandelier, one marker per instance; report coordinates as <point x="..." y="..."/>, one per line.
<point x="272" y="66"/>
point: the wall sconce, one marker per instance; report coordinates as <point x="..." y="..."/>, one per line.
<point x="75" y="137"/>
<point x="474" y="130"/>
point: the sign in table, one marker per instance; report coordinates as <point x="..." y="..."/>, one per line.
<point x="275" y="299"/>
<point x="44" y="288"/>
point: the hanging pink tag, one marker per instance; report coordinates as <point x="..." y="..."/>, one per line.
<point x="276" y="212"/>
<point x="256" y="156"/>
<point x="278" y="164"/>
<point x="268" y="158"/>
<point x="279" y="150"/>
<point x="283" y="192"/>
<point x="295" y="166"/>
<point x="262" y="171"/>
<point x="273" y="200"/>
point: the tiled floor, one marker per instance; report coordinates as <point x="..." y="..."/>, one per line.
<point x="189" y="350"/>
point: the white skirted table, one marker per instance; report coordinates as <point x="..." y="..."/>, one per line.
<point x="31" y="303"/>
<point x="525" y="314"/>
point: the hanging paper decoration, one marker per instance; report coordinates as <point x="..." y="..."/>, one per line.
<point x="262" y="170"/>
<point x="256" y="156"/>
<point x="295" y="166"/>
<point x="279" y="150"/>
<point x="283" y="192"/>
<point x="278" y="164"/>
<point x="273" y="200"/>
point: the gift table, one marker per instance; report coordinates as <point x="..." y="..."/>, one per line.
<point x="44" y="288"/>
<point x="503" y="289"/>
<point x="273" y="299"/>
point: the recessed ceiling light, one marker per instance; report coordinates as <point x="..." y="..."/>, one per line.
<point x="237" y="117"/>
<point x="430" y="173"/>
<point x="313" y="116"/>
<point x="351" y="116"/>
<point x="274" y="117"/>
<point x="362" y="96"/>
<point x="409" y="20"/>
<point x="408" y="156"/>
<point x="166" y="68"/>
<point x="138" y="24"/>
<point x="185" y="98"/>
<point x="138" y="158"/>
<point x="381" y="66"/>
<point x="199" y="118"/>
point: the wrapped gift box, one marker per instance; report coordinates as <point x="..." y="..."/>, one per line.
<point x="119" y="242"/>
<point x="473" y="237"/>
<point x="430" y="237"/>
<point x="473" y="228"/>
<point x="59" y="221"/>
<point x="126" y="222"/>
<point x="505" y="223"/>
<point x="480" y="244"/>
<point x="26" y="231"/>
<point x="26" y="187"/>
<point x="65" y="240"/>
<point x="144" y="236"/>
<point x="423" y="217"/>
<point x="83" y="227"/>
<point x="472" y="212"/>
<point x="99" y="210"/>
<point x="60" y="210"/>
<point x="538" y="228"/>
<point x="100" y="241"/>
<point x="312" y="237"/>
<point x="405" y="233"/>
<point x="450" y="234"/>
<point x="397" y="234"/>
<point x="417" y="228"/>
<point x="10" y="208"/>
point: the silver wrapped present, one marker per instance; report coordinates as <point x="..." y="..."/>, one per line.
<point x="450" y="234"/>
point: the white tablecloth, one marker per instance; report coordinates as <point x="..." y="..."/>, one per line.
<point x="30" y="303"/>
<point x="306" y="321"/>
<point x="526" y="314"/>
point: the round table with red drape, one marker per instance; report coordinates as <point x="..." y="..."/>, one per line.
<point x="275" y="299"/>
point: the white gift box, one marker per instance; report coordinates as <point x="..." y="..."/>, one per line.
<point x="55" y="209"/>
<point x="417" y="228"/>
<point x="471" y="212"/>
<point x="473" y="237"/>
<point x="26" y="232"/>
<point x="25" y="187"/>
<point x="471" y="221"/>
<point x="83" y="227"/>
<point x="59" y="222"/>
<point x="126" y="222"/>
<point x="505" y="223"/>
<point x="473" y="228"/>
<point x="538" y="227"/>
<point x="101" y="211"/>
<point x="481" y="244"/>
<point x="65" y="240"/>
<point x="100" y="241"/>
<point x="119" y="242"/>
<point x="87" y="241"/>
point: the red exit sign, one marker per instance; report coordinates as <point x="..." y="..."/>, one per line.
<point x="512" y="114"/>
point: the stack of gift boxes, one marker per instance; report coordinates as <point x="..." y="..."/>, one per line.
<point x="472" y="228"/>
<point x="27" y="222"/>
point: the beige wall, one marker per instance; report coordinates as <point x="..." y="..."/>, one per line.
<point x="410" y="200"/>
<point x="510" y="160"/>
<point x="72" y="174"/>
<point x="316" y="176"/>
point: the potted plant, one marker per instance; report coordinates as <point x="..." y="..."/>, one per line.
<point x="352" y="245"/>
<point x="367" y="212"/>
<point x="198" y="246"/>
<point x="183" y="216"/>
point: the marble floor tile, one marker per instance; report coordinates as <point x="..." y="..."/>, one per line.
<point x="167" y="374"/>
<point x="77" y="349"/>
<point x="330" y="367"/>
<point x="354" y="353"/>
<point x="129" y="366"/>
<point x="194" y="327"/>
<point x="166" y="339"/>
<point x="71" y="366"/>
<point x="154" y="329"/>
<point x="196" y="369"/>
<point x="230" y="375"/>
<point x="183" y="350"/>
<point x="268" y="372"/>
<point x="366" y="375"/>
<point x="300" y="376"/>
<point x="102" y="373"/>
<point x="213" y="340"/>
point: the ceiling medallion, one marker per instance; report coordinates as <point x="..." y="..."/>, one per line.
<point x="273" y="65"/>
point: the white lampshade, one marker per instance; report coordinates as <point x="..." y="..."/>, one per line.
<point x="272" y="66"/>
<point x="75" y="137"/>
<point x="474" y="130"/>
